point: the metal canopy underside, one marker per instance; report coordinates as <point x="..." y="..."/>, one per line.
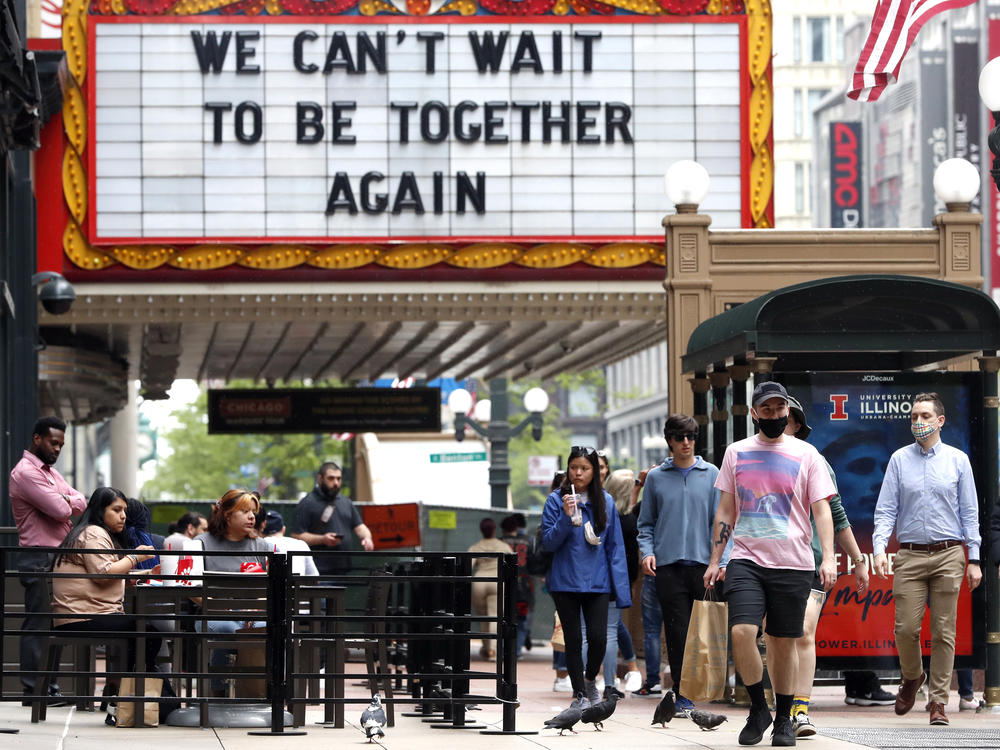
<point x="294" y="332"/>
<point x="870" y="322"/>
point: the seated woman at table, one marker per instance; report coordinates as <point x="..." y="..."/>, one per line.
<point x="231" y="530"/>
<point x="97" y="604"/>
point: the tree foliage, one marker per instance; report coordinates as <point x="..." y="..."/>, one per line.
<point x="204" y="466"/>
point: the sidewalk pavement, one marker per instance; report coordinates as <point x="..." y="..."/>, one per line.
<point x="841" y="727"/>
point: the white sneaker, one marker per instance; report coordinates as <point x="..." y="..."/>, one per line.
<point x="970" y="704"/>
<point x="633" y="681"/>
<point x="600" y="683"/>
<point x="562" y="685"/>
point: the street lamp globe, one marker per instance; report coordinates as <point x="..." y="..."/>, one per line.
<point x="483" y="410"/>
<point x="536" y="400"/>
<point x="989" y="85"/>
<point x="956" y="183"/>
<point x="460" y="401"/>
<point x="686" y="183"/>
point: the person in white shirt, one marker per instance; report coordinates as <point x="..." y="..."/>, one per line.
<point x="274" y="532"/>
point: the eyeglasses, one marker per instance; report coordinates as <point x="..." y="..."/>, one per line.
<point x="584" y="450"/>
<point x="680" y="437"/>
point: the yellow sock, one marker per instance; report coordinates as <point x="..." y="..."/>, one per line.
<point x="800" y="705"/>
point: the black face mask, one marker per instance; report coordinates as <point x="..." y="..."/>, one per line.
<point x="772" y="428"/>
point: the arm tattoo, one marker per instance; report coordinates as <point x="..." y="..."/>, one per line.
<point x="725" y="531"/>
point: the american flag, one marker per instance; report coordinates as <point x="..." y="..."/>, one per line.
<point x="894" y="27"/>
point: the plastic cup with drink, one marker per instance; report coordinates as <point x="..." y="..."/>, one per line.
<point x="577" y="515"/>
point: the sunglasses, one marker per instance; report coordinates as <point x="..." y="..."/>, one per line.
<point x="680" y="437"/>
<point x="583" y="450"/>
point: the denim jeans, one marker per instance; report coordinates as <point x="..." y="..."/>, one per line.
<point x="219" y="656"/>
<point x="611" y="649"/>
<point x="652" y="624"/>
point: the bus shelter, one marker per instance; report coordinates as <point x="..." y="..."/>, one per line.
<point x="854" y="350"/>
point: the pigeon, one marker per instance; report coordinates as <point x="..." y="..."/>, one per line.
<point x="565" y="720"/>
<point x="666" y="710"/>
<point x="373" y="718"/>
<point x="707" y="721"/>
<point x="600" y="711"/>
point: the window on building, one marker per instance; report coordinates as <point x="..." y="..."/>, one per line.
<point x="819" y="39"/>
<point x="813" y="100"/>
<point x="797" y="113"/>
<point x="839" y="39"/>
<point x="796" y="39"/>
<point x="800" y="188"/>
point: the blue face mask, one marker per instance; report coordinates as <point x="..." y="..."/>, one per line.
<point x="922" y="430"/>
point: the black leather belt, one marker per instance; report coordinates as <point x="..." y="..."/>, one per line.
<point x="932" y="547"/>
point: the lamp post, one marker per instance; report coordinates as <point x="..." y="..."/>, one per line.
<point x="989" y="92"/>
<point x="498" y="430"/>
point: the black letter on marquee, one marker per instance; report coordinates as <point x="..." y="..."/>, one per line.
<point x="526" y="54"/>
<point x="404" y="118"/>
<point x="429" y="38"/>
<point x="588" y="38"/>
<point x="256" y="116"/>
<point x="339" y="49"/>
<point x="303" y="36"/>
<point x="492" y="123"/>
<point x="583" y="122"/>
<point x="217" y="108"/>
<point x="408" y="195"/>
<point x="525" y="109"/>
<point x="339" y="123"/>
<point x="425" y="121"/>
<point x="308" y="122"/>
<point x="244" y="53"/>
<point x="488" y="54"/>
<point x="211" y="54"/>
<point x="438" y="193"/>
<point x="366" y="51"/>
<point x="381" y="199"/>
<point x="557" y="52"/>
<point x="477" y="194"/>
<point x="616" y="117"/>
<point x="549" y="122"/>
<point x="472" y="134"/>
<point x="341" y="185"/>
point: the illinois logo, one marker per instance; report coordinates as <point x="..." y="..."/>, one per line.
<point x="838" y="399"/>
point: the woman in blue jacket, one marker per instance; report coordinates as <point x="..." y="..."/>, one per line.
<point x="588" y="567"/>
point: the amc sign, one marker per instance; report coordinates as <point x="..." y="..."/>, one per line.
<point x="845" y="168"/>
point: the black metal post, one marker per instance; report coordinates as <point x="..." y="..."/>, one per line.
<point x="989" y="364"/>
<point x="720" y="414"/>
<point x="278" y="588"/>
<point x="499" y="432"/>
<point x="507" y="647"/>
<point x="3" y="624"/>
<point x="700" y="387"/>
<point x="740" y="373"/>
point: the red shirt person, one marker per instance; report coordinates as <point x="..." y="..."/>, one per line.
<point x="43" y="503"/>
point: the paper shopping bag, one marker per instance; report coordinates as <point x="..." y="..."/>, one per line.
<point x="125" y="716"/>
<point x="703" y="677"/>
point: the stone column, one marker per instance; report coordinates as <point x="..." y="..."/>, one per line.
<point x="689" y="295"/>
<point x="124" y="452"/>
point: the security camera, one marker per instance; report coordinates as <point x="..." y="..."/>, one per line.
<point x="57" y="294"/>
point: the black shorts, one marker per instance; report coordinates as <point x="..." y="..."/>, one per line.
<point x="779" y="593"/>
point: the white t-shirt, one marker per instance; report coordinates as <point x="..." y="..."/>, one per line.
<point x="775" y="484"/>
<point x="302" y="565"/>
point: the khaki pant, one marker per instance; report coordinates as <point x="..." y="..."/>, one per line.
<point x="484" y="602"/>
<point x="921" y="579"/>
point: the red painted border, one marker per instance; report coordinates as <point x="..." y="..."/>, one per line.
<point x="746" y="155"/>
<point x="51" y="214"/>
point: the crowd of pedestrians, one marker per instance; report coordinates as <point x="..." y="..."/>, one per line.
<point x="758" y="532"/>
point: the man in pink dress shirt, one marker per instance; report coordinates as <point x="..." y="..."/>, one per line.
<point x="42" y="502"/>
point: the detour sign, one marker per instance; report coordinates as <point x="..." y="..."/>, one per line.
<point x="393" y="525"/>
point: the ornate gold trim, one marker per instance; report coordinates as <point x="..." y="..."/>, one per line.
<point x="410" y="256"/>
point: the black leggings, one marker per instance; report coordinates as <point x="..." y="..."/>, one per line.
<point x="595" y="613"/>
<point x="118" y="624"/>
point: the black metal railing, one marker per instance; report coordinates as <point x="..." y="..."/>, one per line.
<point x="414" y="626"/>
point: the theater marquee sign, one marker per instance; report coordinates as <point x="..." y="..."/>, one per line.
<point x="283" y="127"/>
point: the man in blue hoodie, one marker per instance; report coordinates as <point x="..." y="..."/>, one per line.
<point x="679" y="500"/>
